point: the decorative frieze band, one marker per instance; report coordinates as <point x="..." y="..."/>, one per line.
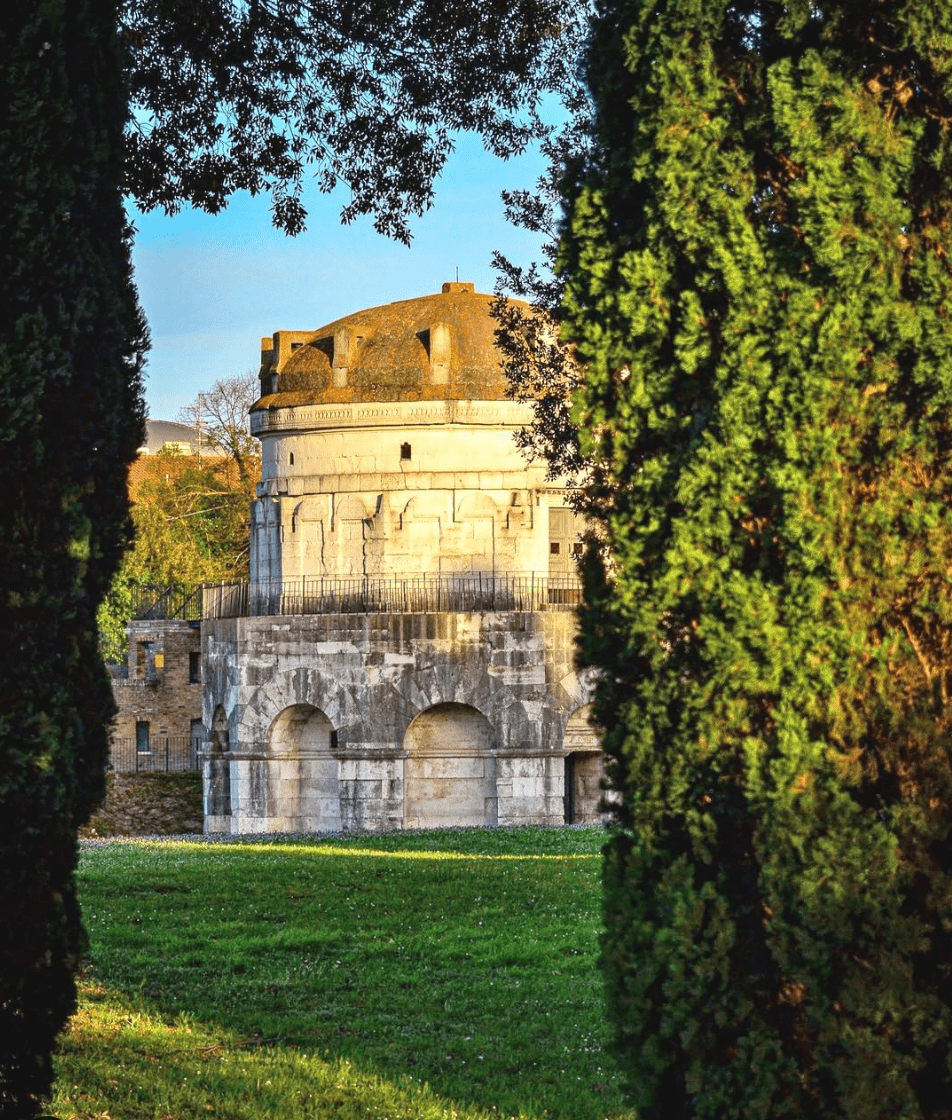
<point x="390" y="414"/>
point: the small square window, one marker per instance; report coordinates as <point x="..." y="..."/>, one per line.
<point x="577" y="548"/>
<point x="554" y="548"/>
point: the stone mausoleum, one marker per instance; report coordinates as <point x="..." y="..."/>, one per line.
<point x="402" y="656"/>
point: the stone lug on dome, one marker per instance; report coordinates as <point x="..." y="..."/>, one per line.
<point x="439" y="349"/>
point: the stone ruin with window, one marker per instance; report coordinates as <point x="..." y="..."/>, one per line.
<point x="402" y="656"/>
<point x="158" y="692"/>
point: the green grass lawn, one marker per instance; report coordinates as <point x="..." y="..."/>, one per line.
<point x="444" y="974"/>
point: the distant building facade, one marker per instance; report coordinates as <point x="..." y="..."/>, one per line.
<point x="403" y="654"/>
<point x="170" y="436"/>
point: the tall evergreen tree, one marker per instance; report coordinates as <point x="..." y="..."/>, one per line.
<point x="757" y="261"/>
<point x="70" y="421"/>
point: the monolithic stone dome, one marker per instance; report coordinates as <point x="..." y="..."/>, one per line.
<point x="436" y="347"/>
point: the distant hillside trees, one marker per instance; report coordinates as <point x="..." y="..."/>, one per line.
<point x="191" y="514"/>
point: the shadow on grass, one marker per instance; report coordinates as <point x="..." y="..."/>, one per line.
<point x="121" y="1061"/>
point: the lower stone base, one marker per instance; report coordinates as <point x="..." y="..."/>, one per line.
<point x="326" y="794"/>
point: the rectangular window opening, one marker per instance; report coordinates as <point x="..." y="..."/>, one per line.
<point x="145" y="660"/>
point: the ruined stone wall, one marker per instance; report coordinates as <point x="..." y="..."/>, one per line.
<point x="148" y="805"/>
<point x="158" y="689"/>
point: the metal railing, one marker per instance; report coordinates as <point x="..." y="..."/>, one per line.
<point x="171" y="600"/>
<point x="413" y="595"/>
<point x="368" y="595"/>
<point x="165" y="752"/>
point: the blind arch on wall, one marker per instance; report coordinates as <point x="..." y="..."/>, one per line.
<point x="450" y="769"/>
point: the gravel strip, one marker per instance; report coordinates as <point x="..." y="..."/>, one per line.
<point x="270" y="837"/>
<point x="208" y="838"/>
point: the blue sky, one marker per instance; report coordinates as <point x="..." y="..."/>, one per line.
<point x="211" y="287"/>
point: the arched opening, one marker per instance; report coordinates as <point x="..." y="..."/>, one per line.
<point x="304" y="779"/>
<point x="584" y="770"/>
<point x="301" y="728"/>
<point x="450" y="770"/>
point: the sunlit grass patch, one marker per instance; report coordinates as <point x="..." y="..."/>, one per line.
<point x="461" y="961"/>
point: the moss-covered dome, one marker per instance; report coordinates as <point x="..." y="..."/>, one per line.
<point x="436" y="347"/>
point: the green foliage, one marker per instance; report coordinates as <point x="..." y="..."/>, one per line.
<point x="70" y="421"/>
<point x="233" y="96"/>
<point x="756" y="258"/>
<point x="436" y="974"/>
<point x="115" y="610"/>
<point x="191" y="514"/>
<point x="540" y="366"/>
<point x="191" y="521"/>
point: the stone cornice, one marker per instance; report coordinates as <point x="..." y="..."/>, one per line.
<point x="389" y="414"/>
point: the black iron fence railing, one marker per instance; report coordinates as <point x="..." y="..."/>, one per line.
<point x="423" y="594"/>
<point x="395" y="595"/>
<point x="159" y="753"/>
<point x="154" y="600"/>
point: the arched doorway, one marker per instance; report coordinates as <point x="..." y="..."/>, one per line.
<point x="304" y="778"/>
<point x="450" y="770"/>
<point x="584" y="770"/>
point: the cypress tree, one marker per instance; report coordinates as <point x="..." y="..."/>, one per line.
<point x="70" y="422"/>
<point x="757" y="267"/>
